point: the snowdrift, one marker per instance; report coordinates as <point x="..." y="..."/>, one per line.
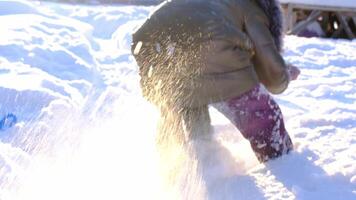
<point x="83" y="131"/>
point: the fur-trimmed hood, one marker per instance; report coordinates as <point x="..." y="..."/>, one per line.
<point x="273" y="11"/>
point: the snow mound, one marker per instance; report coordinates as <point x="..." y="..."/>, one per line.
<point x="83" y="129"/>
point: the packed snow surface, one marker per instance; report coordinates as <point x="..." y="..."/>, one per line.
<point x="73" y="124"/>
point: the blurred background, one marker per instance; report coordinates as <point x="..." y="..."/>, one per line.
<point x="304" y="18"/>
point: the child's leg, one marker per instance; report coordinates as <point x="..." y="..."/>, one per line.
<point x="260" y="120"/>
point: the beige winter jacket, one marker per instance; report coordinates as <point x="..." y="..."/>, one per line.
<point x="195" y="52"/>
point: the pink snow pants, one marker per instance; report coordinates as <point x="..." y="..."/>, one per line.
<point x="260" y="120"/>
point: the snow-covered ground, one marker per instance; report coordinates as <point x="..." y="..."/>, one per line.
<point x="83" y="131"/>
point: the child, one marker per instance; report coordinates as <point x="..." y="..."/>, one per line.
<point x="193" y="53"/>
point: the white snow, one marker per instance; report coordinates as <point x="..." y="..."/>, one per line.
<point x="85" y="132"/>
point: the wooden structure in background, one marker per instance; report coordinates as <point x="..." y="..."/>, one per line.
<point x="345" y="10"/>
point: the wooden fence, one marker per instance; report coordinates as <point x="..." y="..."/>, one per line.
<point x="335" y="17"/>
<point x="328" y="13"/>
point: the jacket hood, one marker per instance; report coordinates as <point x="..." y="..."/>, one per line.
<point x="273" y="11"/>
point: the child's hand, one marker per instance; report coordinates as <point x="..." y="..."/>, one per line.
<point x="293" y="72"/>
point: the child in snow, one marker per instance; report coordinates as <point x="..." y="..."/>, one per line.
<point x="195" y="53"/>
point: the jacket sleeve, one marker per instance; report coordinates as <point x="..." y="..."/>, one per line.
<point x="269" y="64"/>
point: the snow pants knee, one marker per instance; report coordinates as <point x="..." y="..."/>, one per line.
<point x="260" y="120"/>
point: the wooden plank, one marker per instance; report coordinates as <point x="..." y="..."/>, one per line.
<point x="345" y="26"/>
<point x="289" y="18"/>
<point x="312" y="17"/>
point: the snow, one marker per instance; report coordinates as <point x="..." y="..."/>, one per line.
<point x="328" y="3"/>
<point x="83" y="130"/>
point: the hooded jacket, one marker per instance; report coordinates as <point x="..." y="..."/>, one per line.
<point x="195" y="52"/>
